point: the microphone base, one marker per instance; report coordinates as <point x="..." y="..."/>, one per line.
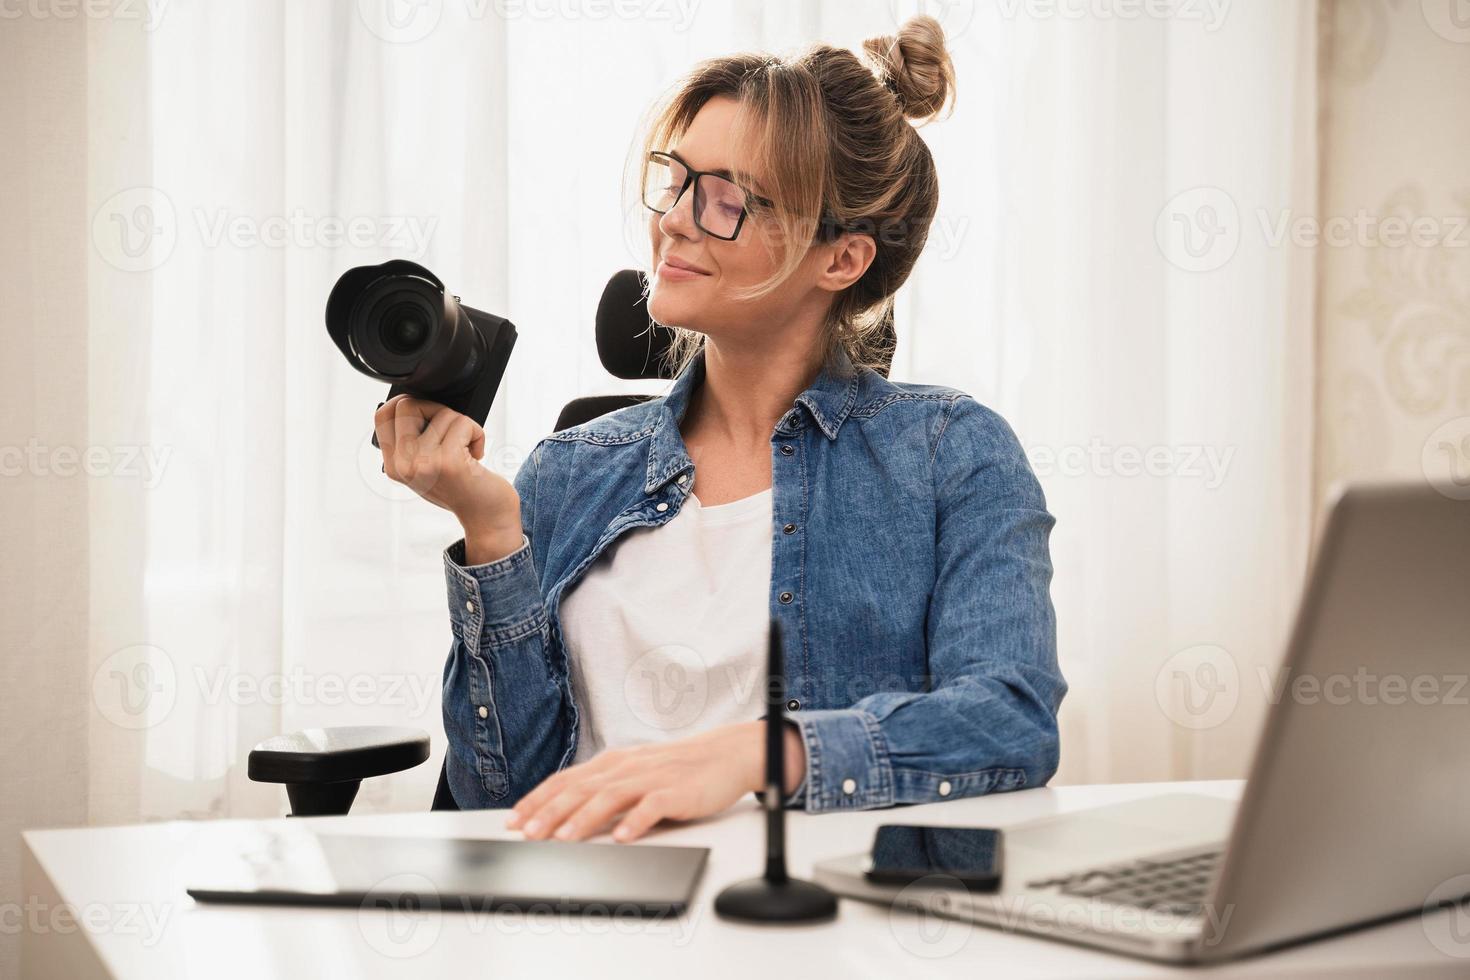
<point x="763" y="900"/>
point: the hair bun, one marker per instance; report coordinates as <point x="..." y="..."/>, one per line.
<point x="915" y="66"/>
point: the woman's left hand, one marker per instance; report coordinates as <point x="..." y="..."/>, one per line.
<point x="682" y="780"/>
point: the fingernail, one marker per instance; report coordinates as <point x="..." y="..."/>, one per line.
<point x="534" y="827"/>
<point x="563" y="832"/>
<point x="622" y="834"/>
<point x="513" y="821"/>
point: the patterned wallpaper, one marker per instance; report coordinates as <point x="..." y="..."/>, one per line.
<point x="1394" y="248"/>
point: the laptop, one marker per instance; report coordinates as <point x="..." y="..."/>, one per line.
<point x="1355" y="803"/>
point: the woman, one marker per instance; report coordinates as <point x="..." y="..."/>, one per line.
<point x="610" y="609"/>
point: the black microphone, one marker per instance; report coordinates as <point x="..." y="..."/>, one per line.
<point x="629" y="343"/>
<point x="776" y="897"/>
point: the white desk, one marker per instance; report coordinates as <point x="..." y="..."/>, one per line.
<point x="128" y="882"/>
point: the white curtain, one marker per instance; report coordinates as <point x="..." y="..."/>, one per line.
<point x="1108" y="287"/>
<point x="256" y="574"/>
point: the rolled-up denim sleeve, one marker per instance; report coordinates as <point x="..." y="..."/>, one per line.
<point x="987" y="720"/>
<point x="499" y="677"/>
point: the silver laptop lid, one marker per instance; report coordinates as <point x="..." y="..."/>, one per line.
<point x="1357" y="796"/>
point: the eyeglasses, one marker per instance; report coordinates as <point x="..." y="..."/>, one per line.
<point x="720" y="204"/>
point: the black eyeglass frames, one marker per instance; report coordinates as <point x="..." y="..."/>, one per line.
<point x="720" y="204"/>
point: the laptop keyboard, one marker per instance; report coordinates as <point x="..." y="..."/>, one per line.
<point x="1176" y="884"/>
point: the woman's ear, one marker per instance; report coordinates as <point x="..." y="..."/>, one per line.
<point x="850" y="257"/>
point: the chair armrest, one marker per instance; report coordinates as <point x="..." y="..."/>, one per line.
<point x="322" y="767"/>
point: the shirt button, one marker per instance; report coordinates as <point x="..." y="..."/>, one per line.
<point x="787" y="450"/>
<point x="793" y="705"/>
<point x="484" y="711"/>
<point x="470" y="606"/>
<point x="785" y="597"/>
<point x="662" y="507"/>
<point x="944" y="788"/>
<point x="849" y="786"/>
<point x="789" y="528"/>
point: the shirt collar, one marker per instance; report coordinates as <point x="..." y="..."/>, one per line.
<point x="830" y="399"/>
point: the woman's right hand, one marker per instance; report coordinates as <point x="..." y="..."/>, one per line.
<point x="436" y="452"/>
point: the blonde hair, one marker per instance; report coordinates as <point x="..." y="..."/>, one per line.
<point x="833" y="140"/>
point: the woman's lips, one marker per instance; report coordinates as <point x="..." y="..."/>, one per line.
<point x="674" y="273"/>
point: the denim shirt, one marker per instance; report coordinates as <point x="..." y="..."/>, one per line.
<point x="910" y="574"/>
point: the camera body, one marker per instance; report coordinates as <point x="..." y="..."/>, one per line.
<point x="397" y="323"/>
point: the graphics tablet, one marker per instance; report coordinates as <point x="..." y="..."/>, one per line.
<point x="302" y="867"/>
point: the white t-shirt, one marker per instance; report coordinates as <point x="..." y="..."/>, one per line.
<point x="667" y="631"/>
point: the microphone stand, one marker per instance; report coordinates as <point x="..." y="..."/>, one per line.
<point x="776" y="896"/>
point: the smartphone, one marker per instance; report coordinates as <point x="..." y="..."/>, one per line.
<point x="968" y="857"/>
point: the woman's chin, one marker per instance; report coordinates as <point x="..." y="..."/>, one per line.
<point x="671" y="311"/>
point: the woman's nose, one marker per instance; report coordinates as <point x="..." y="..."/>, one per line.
<point x="679" y="219"/>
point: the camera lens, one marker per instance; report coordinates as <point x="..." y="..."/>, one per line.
<point x="403" y="329"/>
<point x="396" y="322"/>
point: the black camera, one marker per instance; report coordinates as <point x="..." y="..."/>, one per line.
<point x="397" y="323"/>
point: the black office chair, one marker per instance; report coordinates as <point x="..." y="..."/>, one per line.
<point x="323" y="767"/>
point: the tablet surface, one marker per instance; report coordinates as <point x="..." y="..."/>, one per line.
<point x="302" y="867"/>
